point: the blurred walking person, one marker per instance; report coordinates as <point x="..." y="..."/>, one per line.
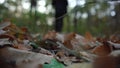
<point x="60" y="7"/>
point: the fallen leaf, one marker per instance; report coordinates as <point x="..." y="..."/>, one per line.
<point x="16" y="58"/>
<point x="4" y="25"/>
<point x="50" y="35"/>
<point x="102" y="50"/>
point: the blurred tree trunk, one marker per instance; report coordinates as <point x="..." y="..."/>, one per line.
<point x="75" y="16"/>
<point x="117" y="18"/>
<point x="89" y="22"/>
<point x="75" y="22"/>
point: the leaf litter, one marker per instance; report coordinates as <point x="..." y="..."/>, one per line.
<point x="19" y="49"/>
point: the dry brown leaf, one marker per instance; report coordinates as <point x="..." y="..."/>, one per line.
<point x="115" y="38"/>
<point x="10" y="37"/>
<point x="21" y="47"/>
<point x="24" y="29"/>
<point x="68" y="39"/>
<point x="88" y="36"/>
<point x="12" y="29"/>
<point x="102" y="50"/>
<point x="50" y="35"/>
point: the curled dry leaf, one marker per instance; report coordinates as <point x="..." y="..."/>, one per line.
<point x="102" y="50"/>
<point x="50" y="35"/>
<point x="12" y="29"/>
<point x="77" y="42"/>
<point x="82" y="42"/>
<point x="68" y="39"/>
<point x="115" y="38"/>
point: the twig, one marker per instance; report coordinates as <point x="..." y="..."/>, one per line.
<point x="69" y="51"/>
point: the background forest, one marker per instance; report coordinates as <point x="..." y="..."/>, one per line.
<point x="99" y="17"/>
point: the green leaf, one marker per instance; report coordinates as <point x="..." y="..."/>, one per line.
<point x="54" y="64"/>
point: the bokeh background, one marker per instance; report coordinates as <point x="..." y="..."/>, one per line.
<point x="99" y="17"/>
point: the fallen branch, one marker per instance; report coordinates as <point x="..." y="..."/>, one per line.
<point x="69" y="51"/>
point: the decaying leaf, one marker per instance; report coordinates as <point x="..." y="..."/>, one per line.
<point x="66" y="48"/>
<point x="16" y="58"/>
<point x="75" y="41"/>
<point x="115" y="38"/>
<point x="10" y="37"/>
<point x="22" y="47"/>
<point x="4" y="25"/>
<point x="50" y="35"/>
<point x="102" y="50"/>
<point x="89" y="37"/>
